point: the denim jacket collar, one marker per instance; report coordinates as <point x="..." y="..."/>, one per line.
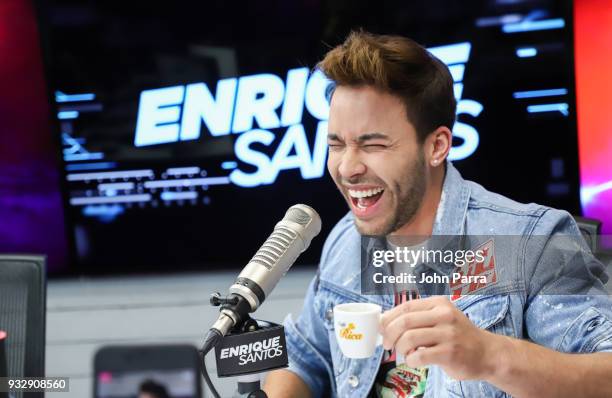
<point x="452" y="210"/>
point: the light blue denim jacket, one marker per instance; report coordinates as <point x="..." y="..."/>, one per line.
<point x="517" y="306"/>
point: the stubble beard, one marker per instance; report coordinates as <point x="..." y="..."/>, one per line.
<point x="410" y="191"/>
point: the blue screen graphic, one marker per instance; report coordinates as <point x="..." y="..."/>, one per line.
<point x="188" y="136"/>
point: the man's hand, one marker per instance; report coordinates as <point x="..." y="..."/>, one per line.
<point x="432" y="331"/>
<point x="285" y="384"/>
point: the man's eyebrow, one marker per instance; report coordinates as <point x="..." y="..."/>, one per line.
<point x="333" y="137"/>
<point x="371" y="136"/>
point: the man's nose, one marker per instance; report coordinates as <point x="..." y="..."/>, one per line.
<point x="351" y="165"/>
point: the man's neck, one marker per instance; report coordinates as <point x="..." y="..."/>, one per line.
<point x="423" y="221"/>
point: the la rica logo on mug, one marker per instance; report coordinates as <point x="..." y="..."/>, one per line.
<point x="347" y="332"/>
<point x="356" y="328"/>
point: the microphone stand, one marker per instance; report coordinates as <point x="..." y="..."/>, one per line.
<point x="247" y="332"/>
<point x="249" y="385"/>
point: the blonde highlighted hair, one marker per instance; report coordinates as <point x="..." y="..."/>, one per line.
<point x="401" y="67"/>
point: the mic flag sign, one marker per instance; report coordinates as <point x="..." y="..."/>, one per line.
<point x="252" y="352"/>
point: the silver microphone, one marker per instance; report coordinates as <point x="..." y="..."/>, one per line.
<point x="291" y="236"/>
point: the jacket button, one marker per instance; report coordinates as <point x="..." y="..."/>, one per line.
<point x="329" y="315"/>
<point x="353" y="381"/>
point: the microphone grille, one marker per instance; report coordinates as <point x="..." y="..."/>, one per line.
<point x="298" y="216"/>
<point x="285" y="234"/>
<point x="274" y="247"/>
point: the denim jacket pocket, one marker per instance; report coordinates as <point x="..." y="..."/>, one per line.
<point x="589" y="333"/>
<point x="489" y="313"/>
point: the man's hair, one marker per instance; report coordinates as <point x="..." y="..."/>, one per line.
<point x="153" y="388"/>
<point x="401" y="67"/>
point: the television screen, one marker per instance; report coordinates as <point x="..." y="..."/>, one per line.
<point x="188" y="128"/>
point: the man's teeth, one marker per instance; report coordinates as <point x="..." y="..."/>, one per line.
<point x="365" y="194"/>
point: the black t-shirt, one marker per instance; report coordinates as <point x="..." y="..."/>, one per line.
<point x="394" y="379"/>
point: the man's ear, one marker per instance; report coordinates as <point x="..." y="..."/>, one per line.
<point x="437" y="146"/>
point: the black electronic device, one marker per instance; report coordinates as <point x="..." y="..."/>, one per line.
<point x="157" y="370"/>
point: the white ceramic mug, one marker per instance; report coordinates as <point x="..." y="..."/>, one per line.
<point x="356" y="326"/>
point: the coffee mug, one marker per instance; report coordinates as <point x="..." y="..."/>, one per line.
<point x="356" y="327"/>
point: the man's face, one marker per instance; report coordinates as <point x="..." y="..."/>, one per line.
<point x="375" y="159"/>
